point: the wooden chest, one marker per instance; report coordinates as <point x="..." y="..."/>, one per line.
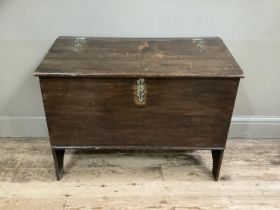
<point x="151" y="93"/>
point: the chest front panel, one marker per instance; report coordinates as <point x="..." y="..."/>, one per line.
<point x="193" y="112"/>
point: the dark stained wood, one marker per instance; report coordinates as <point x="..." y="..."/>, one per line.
<point x="108" y="149"/>
<point x="90" y="94"/>
<point x="217" y="156"/>
<point x="102" y="112"/>
<point x="139" y="57"/>
<point x="58" y="157"/>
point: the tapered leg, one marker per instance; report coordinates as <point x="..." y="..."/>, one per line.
<point x="217" y="156"/>
<point x="58" y="156"/>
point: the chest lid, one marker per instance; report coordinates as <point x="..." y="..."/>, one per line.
<point x="139" y="57"/>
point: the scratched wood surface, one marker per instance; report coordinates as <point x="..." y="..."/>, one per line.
<point x="134" y="57"/>
<point x="250" y="178"/>
<point x="102" y="112"/>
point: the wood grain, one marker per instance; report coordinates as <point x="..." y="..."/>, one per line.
<point x="90" y="100"/>
<point x="102" y="112"/>
<point x="138" y="57"/>
<point x="250" y="178"/>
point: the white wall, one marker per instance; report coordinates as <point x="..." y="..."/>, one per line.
<point x="250" y="28"/>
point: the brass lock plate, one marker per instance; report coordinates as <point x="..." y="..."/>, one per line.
<point x="140" y="92"/>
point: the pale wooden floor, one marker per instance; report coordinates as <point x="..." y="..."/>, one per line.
<point x="250" y="178"/>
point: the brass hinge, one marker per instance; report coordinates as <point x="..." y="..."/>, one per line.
<point x="200" y="44"/>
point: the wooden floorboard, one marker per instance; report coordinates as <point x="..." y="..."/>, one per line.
<point x="250" y="178"/>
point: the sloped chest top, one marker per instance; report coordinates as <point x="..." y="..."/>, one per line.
<point x="139" y="57"/>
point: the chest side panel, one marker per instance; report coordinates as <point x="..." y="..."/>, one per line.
<point x="193" y="112"/>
